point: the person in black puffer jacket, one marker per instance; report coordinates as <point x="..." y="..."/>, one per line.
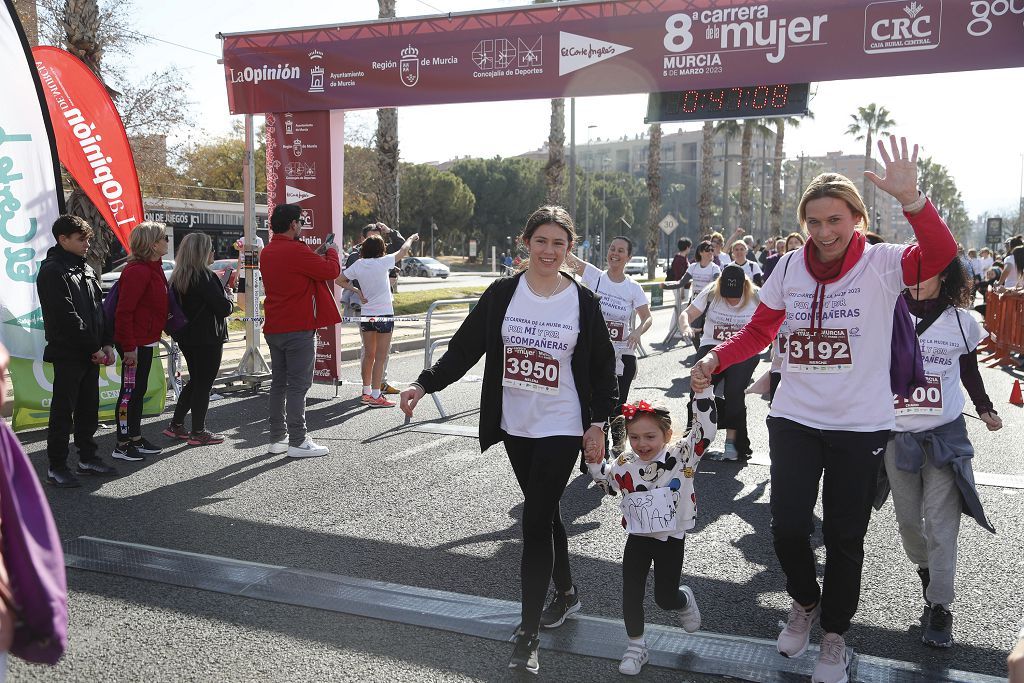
<point x="207" y="306"/>
<point x="77" y="343"/>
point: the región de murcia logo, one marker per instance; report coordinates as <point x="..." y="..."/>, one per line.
<point x="409" y="67"/>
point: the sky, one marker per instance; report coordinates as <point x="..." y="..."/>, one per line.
<point x="969" y="122"/>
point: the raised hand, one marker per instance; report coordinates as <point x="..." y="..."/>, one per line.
<point x="900" y="171"/>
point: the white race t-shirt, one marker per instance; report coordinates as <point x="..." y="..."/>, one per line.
<point x="372" y="274"/>
<point x="750" y="267"/>
<point x="1010" y="268"/>
<point x="942" y="400"/>
<point x="703" y="275"/>
<point x="618" y="301"/>
<point x="723" y="320"/>
<point x="538" y="392"/>
<point x="839" y="379"/>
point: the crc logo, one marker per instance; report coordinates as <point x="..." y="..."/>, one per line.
<point x="902" y="26"/>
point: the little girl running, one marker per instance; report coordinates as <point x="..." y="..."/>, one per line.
<point x="658" y="507"/>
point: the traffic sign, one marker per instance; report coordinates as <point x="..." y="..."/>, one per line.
<point x="668" y="224"/>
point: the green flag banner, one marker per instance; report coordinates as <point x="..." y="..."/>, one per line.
<point x="33" y="391"/>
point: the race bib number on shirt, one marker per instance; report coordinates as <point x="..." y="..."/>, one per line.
<point x="616" y="330"/>
<point x="648" y="512"/>
<point x="822" y="350"/>
<point x="925" y="400"/>
<point x="725" y="332"/>
<point x="530" y="369"/>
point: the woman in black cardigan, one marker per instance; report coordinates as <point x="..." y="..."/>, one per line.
<point x="207" y="306"/>
<point x="549" y="386"/>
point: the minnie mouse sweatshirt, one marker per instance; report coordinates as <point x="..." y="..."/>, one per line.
<point x="672" y="469"/>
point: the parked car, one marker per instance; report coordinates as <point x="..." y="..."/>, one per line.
<point x="424" y="266"/>
<point x="108" y="279"/>
<point x="227" y="270"/>
<point x="636" y="266"/>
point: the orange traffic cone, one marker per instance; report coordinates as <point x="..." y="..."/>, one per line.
<point x="1015" y="395"/>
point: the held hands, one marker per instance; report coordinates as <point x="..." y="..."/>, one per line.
<point x="410" y="397"/>
<point x="99" y="358"/>
<point x="108" y="351"/>
<point x="131" y="359"/>
<point x="593" y="444"/>
<point x="700" y="373"/>
<point x="992" y="421"/>
<point x="900" y="171"/>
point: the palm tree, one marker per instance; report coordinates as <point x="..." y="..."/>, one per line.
<point x="706" y="151"/>
<point x="554" y="170"/>
<point x="81" y="22"/>
<point x="387" y="147"/>
<point x="29" y="17"/>
<point x="868" y="123"/>
<point x="775" y="214"/>
<point x="727" y="130"/>
<point x="654" y="193"/>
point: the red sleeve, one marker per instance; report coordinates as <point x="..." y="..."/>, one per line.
<point x="935" y="247"/>
<point x="133" y="282"/>
<point x="317" y="267"/>
<point x="752" y="339"/>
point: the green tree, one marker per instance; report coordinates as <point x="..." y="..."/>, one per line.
<point x="387" y="147"/>
<point x="749" y="127"/>
<point x="867" y="124"/>
<point x="430" y="195"/>
<point x="213" y="170"/>
<point x="728" y="130"/>
<point x="506" y="191"/>
<point x="704" y="202"/>
<point x="554" y="170"/>
<point x="775" y="214"/>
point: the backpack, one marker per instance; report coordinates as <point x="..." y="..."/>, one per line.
<point x="176" y="318"/>
<point x="33" y="556"/>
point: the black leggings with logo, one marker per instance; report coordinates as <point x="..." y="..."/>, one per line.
<point x="542" y="468"/>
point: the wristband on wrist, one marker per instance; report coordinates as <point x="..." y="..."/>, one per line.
<point x="917" y="204"/>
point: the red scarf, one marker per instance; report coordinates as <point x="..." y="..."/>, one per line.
<point x="826" y="273"/>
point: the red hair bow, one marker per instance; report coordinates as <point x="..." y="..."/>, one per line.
<point x="629" y="410"/>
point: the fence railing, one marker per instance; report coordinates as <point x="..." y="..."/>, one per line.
<point x="1004" y="320"/>
<point x="430" y="344"/>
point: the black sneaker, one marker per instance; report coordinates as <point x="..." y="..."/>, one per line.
<point x="524" y="654"/>
<point x="939" y="631"/>
<point x="96" y="467"/>
<point x="62" y="478"/>
<point x="145" y="447"/>
<point x="127" y="451"/>
<point x="560" y="607"/>
<point x="926" y="578"/>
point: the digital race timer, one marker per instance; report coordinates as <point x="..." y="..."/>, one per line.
<point x="747" y="102"/>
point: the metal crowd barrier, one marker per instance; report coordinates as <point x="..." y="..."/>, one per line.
<point x="430" y="344"/>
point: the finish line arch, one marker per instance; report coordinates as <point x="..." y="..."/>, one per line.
<point x="304" y="78"/>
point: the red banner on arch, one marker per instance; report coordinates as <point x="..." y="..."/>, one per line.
<point x="91" y="140"/>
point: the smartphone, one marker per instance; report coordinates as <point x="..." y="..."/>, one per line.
<point x="329" y="238"/>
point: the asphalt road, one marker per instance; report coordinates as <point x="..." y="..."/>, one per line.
<point x="426" y="510"/>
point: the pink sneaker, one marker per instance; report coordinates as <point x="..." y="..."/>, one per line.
<point x="380" y="402"/>
<point x="794" y="638"/>
<point x="366" y="398"/>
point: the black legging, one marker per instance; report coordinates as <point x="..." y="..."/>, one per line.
<point x="129" y="420"/>
<point x="625" y="380"/>
<point x="203" y="366"/>
<point x="667" y="557"/>
<point x="542" y="467"/>
<point x="732" y="408"/>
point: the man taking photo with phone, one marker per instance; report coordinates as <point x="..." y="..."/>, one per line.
<point x="298" y="302"/>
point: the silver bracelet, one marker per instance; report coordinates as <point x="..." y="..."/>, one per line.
<point x="917" y="204"/>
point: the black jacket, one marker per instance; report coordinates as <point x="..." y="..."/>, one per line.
<point x="71" y="302"/>
<point x="593" y="360"/>
<point x="206" y="305"/>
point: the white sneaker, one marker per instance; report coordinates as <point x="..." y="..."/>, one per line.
<point x="689" y="616"/>
<point x="797" y="633"/>
<point x="730" y="452"/>
<point x="833" y="661"/>
<point x="633" y="660"/>
<point x="279" y="447"/>
<point x="308" y="449"/>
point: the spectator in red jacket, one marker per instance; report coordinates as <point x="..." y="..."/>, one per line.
<point x="298" y="302"/>
<point x="138" y="323"/>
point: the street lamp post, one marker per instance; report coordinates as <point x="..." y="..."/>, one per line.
<point x="433" y="226"/>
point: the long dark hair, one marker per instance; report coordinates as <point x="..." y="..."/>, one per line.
<point x="1018" y="260"/>
<point x="955" y="285"/>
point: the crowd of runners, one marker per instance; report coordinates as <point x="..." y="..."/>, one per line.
<point x="558" y="339"/>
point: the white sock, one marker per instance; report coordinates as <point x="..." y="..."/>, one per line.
<point x="366" y="389"/>
<point x="639" y="642"/>
<point x="375" y="393"/>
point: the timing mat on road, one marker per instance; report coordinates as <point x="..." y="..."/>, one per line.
<point x="748" y="659"/>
